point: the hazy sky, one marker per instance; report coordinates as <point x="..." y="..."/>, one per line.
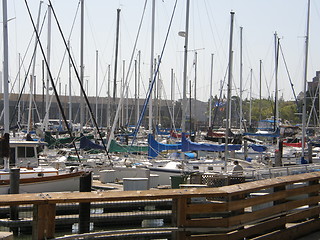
<point x="208" y="34"/>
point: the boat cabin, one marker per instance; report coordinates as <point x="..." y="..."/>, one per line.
<point x="24" y="153"/>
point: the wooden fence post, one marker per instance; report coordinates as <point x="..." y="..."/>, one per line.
<point x="43" y="221"/>
<point x="310" y="153"/>
<point x="14" y="189"/>
<point x="179" y="209"/>
<point x="314" y="194"/>
<point x="280" y="201"/>
<point x="84" y="208"/>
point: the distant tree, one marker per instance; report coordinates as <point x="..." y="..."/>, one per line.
<point x="288" y="111"/>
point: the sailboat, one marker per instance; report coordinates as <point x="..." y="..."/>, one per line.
<point x="22" y="154"/>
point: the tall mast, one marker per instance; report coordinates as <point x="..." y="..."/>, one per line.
<point x="48" y="75"/>
<point x="19" y="104"/>
<point x="195" y="89"/>
<point x="125" y="90"/>
<point x="60" y="117"/>
<point x="241" y="68"/>
<point x="43" y="88"/>
<point x="159" y="89"/>
<point x="70" y="88"/>
<point x="97" y="92"/>
<point x="172" y="96"/>
<point x="139" y="77"/>
<point x="109" y="98"/>
<point x="250" y="110"/>
<point x="304" y="109"/>
<point x="190" y="107"/>
<point x="185" y="68"/>
<point x="260" y="88"/>
<point x="210" y="94"/>
<point x="5" y="68"/>
<point x="276" y="107"/>
<point x="32" y="78"/>
<point x="229" y="92"/>
<point x="136" y="90"/>
<point x="123" y="93"/>
<point x="81" y="67"/>
<point x="151" y="65"/>
<point x="116" y="60"/>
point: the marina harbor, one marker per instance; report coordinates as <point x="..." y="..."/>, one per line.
<point x="160" y="120"/>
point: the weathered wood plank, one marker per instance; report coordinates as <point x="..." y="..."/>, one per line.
<point x="303" y="214"/>
<point x="271" y="211"/>
<point x="248" y="232"/>
<point x="302" y="202"/>
<point x="270" y="183"/>
<point x="269" y="197"/>
<point x="259" y="215"/>
<point x="294" y="232"/>
<point x="208" y="237"/>
<point x="208" y="207"/>
<point x="207" y="222"/>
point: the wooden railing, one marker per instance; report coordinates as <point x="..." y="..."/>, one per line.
<point x="284" y="207"/>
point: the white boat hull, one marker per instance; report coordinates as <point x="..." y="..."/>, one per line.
<point x="57" y="183"/>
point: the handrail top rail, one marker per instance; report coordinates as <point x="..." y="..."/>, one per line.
<point x="111" y="195"/>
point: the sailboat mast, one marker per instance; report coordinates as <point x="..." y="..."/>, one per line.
<point x="229" y="91"/>
<point x="116" y="60"/>
<point x="5" y="67"/>
<point x="138" y="90"/>
<point x="19" y="104"/>
<point x="151" y="65"/>
<point x="46" y="123"/>
<point x="172" y="97"/>
<point x="32" y="78"/>
<point x="81" y="67"/>
<point x="250" y="110"/>
<point x="241" y="70"/>
<point x="185" y="68"/>
<point x="260" y="88"/>
<point x="109" y="98"/>
<point x="304" y="109"/>
<point x="70" y="88"/>
<point x="97" y="57"/>
<point x="159" y="89"/>
<point x="195" y="90"/>
<point x="276" y="104"/>
<point x="210" y="95"/>
<point x="122" y="87"/>
<point x="190" y="108"/>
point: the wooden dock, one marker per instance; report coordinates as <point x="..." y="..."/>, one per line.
<point x="283" y="207"/>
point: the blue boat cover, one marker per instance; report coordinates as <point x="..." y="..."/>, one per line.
<point x="155" y="147"/>
<point x="86" y="143"/>
<point x="190" y="155"/>
<point x="188" y="146"/>
<point x="258" y="147"/>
